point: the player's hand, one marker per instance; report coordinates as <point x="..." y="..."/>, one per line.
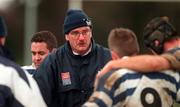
<point x="110" y="65"/>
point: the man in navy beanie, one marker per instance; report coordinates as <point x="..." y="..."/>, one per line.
<point x="4" y="51"/>
<point x="66" y="77"/>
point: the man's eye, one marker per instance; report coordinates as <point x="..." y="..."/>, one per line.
<point x="74" y="33"/>
<point x="33" y="53"/>
<point x="84" y="32"/>
<point x="41" y="53"/>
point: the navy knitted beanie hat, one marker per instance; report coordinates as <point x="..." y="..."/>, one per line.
<point x="3" y="27"/>
<point x="74" y="19"/>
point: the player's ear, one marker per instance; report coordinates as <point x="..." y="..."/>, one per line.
<point x="114" y="55"/>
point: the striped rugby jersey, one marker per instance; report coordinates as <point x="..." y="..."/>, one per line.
<point x="18" y="88"/>
<point x="126" y="88"/>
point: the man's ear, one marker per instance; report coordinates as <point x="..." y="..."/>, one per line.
<point x="2" y="41"/>
<point x="66" y="37"/>
<point x="114" y="55"/>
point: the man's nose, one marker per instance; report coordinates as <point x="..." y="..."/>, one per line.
<point x="37" y="57"/>
<point x="81" y="36"/>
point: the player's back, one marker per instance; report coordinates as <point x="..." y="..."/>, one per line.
<point x="126" y="88"/>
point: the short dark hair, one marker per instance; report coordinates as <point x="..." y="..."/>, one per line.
<point x="123" y="41"/>
<point x="47" y="37"/>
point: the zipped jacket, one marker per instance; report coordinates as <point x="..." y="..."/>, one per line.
<point x="66" y="80"/>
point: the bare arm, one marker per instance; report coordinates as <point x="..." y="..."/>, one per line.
<point x="141" y="63"/>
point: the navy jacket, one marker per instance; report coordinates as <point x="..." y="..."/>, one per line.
<point x="66" y="80"/>
<point x="4" y="51"/>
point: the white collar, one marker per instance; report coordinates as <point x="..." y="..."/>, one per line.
<point x="89" y="50"/>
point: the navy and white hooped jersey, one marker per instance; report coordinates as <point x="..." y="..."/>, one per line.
<point x="126" y="88"/>
<point x="18" y="88"/>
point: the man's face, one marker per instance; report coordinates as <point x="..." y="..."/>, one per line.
<point x="171" y="44"/>
<point x="39" y="52"/>
<point x="80" y="39"/>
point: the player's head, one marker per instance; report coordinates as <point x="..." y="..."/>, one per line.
<point x="123" y="42"/>
<point x="42" y="43"/>
<point x="157" y="32"/>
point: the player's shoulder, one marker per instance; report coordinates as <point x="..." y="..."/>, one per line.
<point x="174" y="50"/>
<point x="173" y="56"/>
<point x="118" y="76"/>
